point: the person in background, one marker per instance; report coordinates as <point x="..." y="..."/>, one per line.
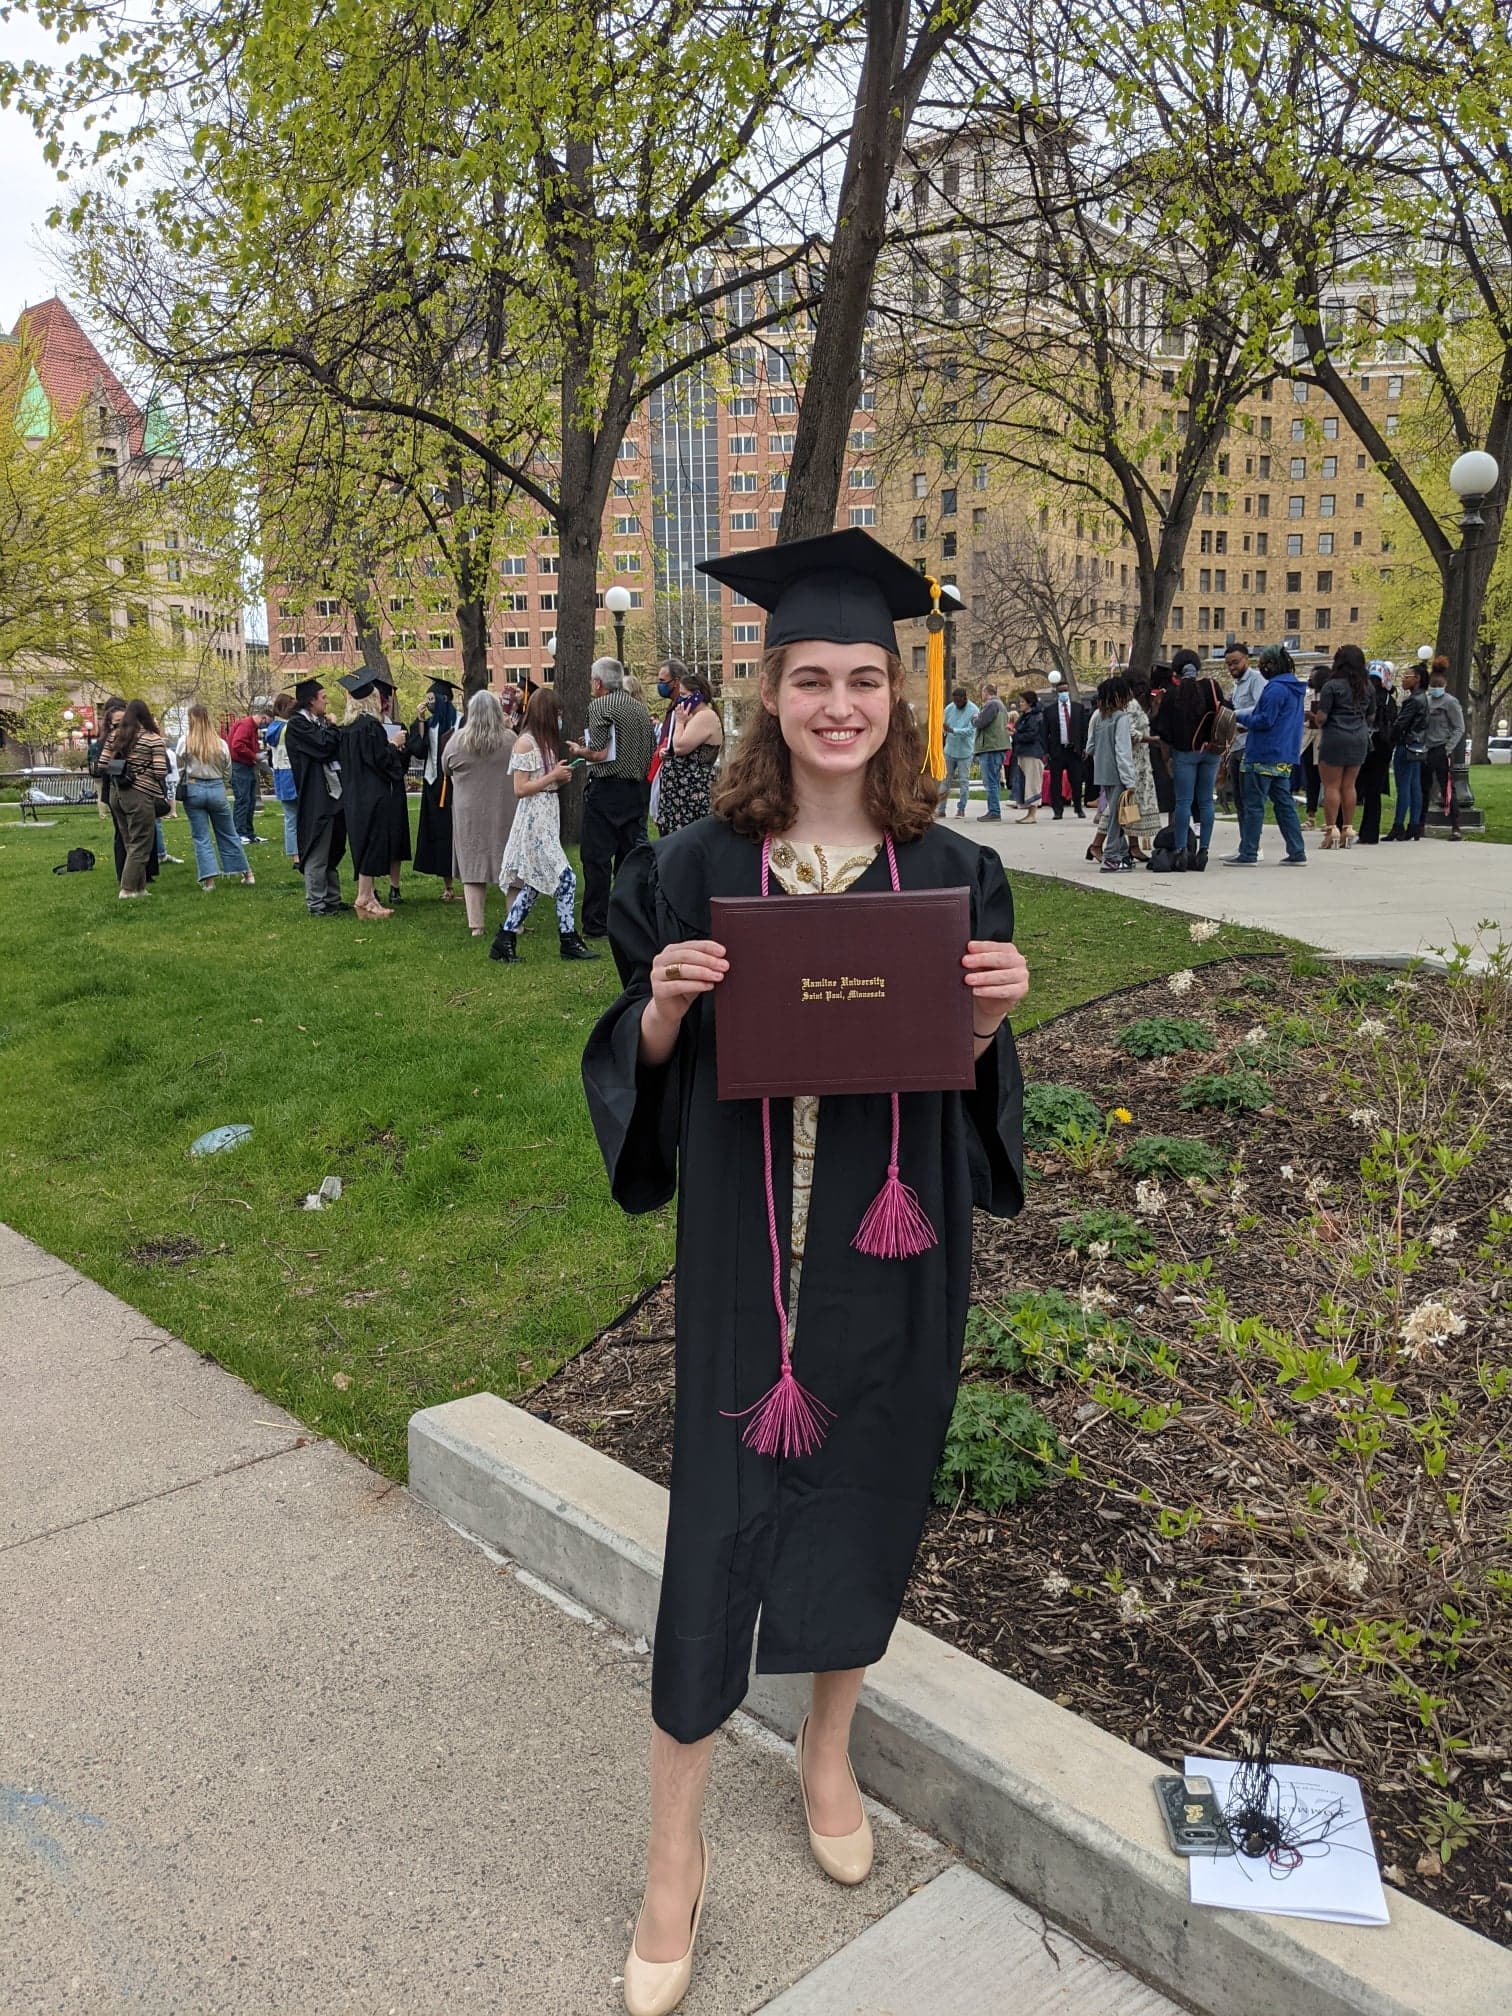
<point x="433" y="728"/>
<point x="283" y="773"/>
<point x="1187" y="723"/>
<point x="165" y="859"/>
<point x="314" y="744"/>
<point x="107" y="721"/>
<point x="993" y="736"/>
<point x="1144" y="772"/>
<point x="206" y="764"/>
<point x="1161" y="681"/>
<point x="960" y="746"/>
<point x="533" y="855"/>
<point x="1444" y="733"/>
<point x="1409" y="749"/>
<point x="1110" y="750"/>
<point x="695" y="735"/>
<point x="137" y="790"/>
<point x="1011" y="769"/>
<point x="1312" y="776"/>
<point x="1029" y="747"/>
<point x="1246" y="684"/>
<point x="668" y="688"/>
<point x="1375" y="771"/>
<point x="1066" y="725"/>
<point x="512" y="700"/>
<point x="373" y="766"/>
<point x="618" y="749"/>
<point x="476" y="759"/>
<point x="1273" y="741"/>
<point x="244" y="740"/>
<point x="1344" y="711"/>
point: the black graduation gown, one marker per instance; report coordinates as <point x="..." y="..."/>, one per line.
<point x="372" y="795"/>
<point x="433" y="835"/>
<point x="822" y="1545"/>
<point x="312" y="743"/>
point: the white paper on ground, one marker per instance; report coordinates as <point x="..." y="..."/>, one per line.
<point x="1338" y="1880"/>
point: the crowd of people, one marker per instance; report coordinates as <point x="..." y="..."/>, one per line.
<point x="491" y="776"/>
<point x="1153" y="760"/>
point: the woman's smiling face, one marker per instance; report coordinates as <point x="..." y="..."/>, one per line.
<point x="833" y="704"/>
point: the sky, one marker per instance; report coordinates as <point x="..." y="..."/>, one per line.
<point x="31" y="188"/>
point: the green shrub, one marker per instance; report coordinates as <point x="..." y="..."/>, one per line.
<point x="1045" y="1333"/>
<point x="1308" y="966"/>
<point x="1262" y="983"/>
<point x="1175" y="1155"/>
<point x="999" y="1450"/>
<point x="1165" y="1036"/>
<point x="1052" y="1113"/>
<point x="1361" y="990"/>
<point x="1116" y="1229"/>
<point x="1229" y="1091"/>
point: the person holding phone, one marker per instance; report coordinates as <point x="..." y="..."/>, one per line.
<point x="802" y="1500"/>
<point x="533" y="854"/>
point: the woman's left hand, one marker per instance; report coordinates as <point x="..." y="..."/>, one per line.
<point x="998" y="976"/>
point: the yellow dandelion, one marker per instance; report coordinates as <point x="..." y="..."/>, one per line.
<point x="1123" y="1116"/>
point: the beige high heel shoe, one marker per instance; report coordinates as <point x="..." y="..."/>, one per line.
<point x="845" y="1857"/>
<point x="655" y="1987"/>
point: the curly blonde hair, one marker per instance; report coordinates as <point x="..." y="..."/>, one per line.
<point x="756" y="796"/>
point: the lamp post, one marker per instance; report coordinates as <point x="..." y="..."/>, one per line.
<point x="617" y="602"/>
<point x="1472" y="479"/>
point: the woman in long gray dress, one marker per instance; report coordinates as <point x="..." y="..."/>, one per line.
<point x="475" y="760"/>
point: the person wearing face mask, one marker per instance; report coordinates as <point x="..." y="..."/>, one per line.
<point x="695" y="736"/>
<point x="1443" y="734"/>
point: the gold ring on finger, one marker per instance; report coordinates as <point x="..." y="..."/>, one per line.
<point x="674" y="972"/>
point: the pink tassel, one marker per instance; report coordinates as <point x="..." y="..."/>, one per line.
<point x="788" y="1421"/>
<point x="895" y="1227"/>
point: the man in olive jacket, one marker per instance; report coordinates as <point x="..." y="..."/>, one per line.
<point x="992" y="740"/>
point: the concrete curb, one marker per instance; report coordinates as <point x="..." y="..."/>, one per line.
<point x="1054" y="1807"/>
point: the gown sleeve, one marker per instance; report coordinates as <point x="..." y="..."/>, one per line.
<point x="635" y="1110"/>
<point x="995" y="1107"/>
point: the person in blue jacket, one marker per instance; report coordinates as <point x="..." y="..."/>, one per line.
<point x="284" y="788"/>
<point x="1275" y="726"/>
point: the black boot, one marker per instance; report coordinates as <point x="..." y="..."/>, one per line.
<point x="572" y="947"/>
<point x="503" y="947"/>
<point x="394" y="895"/>
<point x="1202" y="859"/>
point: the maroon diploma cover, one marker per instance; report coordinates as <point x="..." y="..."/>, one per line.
<point x="829" y="994"/>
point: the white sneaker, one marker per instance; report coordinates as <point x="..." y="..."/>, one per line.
<point x="249" y="878"/>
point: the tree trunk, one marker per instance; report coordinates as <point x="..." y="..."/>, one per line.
<point x="472" y="627"/>
<point x="834" y="373"/>
<point x="369" y="634"/>
<point x="1456" y="638"/>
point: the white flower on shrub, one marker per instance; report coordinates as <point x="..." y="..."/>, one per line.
<point x="1149" y="1197"/>
<point x="1431" y="1323"/>
<point x="1442" y="1235"/>
<point x="1287" y="1172"/>
<point x="1352" y="1575"/>
<point x="1099" y="1249"/>
<point x="1254" y="1036"/>
<point x="1371" y="1026"/>
<point x="1201" y="929"/>
<point x="1096" y="1297"/>
<point x="1055" y="1584"/>
<point x="1365" y="1116"/>
<point x="1132" y="1606"/>
<point x="1182" y="982"/>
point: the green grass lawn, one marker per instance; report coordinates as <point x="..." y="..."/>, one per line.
<point x="1492" y="785"/>
<point x="475" y="1244"/>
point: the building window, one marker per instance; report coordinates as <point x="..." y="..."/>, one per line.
<point x="774" y="521"/>
<point x="777" y="482"/>
<point x="920" y="483"/>
<point x="1178" y="616"/>
<point x="1393" y="422"/>
<point x="1296" y="507"/>
<point x="404" y="640"/>
<point x="1354" y="615"/>
<point x="1299" y="394"/>
<point x="328" y="607"/>
<point x="628" y="450"/>
<point x="1204" y="580"/>
<point x="979" y="476"/>
<point x="1322" y="618"/>
<point x="173" y="568"/>
<point x="742" y="521"/>
<point x="1259" y="619"/>
<point x="441" y="640"/>
<point x="1293" y="619"/>
<point x="1293" y="543"/>
<point x="1325" y="542"/>
<point x="1325" y="580"/>
<point x="1262" y="504"/>
<point x="863" y="514"/>
<point x="549" y="603"/>
<point x="1331" y="427"/>
<point x="548" y="563"/>
<point x="625" y="486"/>
<point x="1326" y="504"/>
<point x="744" y="481"/>
<point x="1393" y="387"/>
<point x="1205" y="542"/>
<point x="745" y="633"/>
<point x="742" y="444"/>
<point x="1294" y="581"/>
<point x="1298" y="470"/>
<point x="512" y="563"/>
<point x="1262" y="542"/>
<point x="1265" y="468"/>
<point x="745" y="668"/>
<point x="781" y="444"/>
<point x="782" y="404"/>
<point x="863" y="479"/>
<point x="516" y="640"/>
<point x="863" y="440"/>
<point x="291" y="647"/>
<point x="979" y="518"/>
<point x="626" y="528"/>
<point x="947" y="503"/>
<point x="948" y="546"/>
<point x="1330" y="467"/>
<point x="329" y="647"/>
<point x="1202" y="619"/>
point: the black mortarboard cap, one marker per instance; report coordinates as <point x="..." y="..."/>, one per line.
<point x="360" y="684"/>
<point x="448" y="685"/>
<point x="305" y="691"/>
<point x="843" y="588"/>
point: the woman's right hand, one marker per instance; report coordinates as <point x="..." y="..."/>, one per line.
<point x="558" y="775"/>
<point x="680" y="973"/>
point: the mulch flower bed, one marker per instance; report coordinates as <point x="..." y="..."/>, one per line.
<point x="1235" y="1434"/>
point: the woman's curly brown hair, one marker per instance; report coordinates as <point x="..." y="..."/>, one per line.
<point x="756" y="793"/>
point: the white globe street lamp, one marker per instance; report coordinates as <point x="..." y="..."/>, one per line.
<point x="1472" y="479"/>
<point x="1474" y="476"/>
<point x="617" y="602"/>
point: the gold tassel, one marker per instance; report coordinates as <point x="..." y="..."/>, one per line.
<point x="934" y="673"/>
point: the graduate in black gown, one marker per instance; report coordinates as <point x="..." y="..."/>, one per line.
<point x="429" y="734"/>
<point x="373" y="766"/>
<point x="826" y="791"/>
<point x="313" y="741"/>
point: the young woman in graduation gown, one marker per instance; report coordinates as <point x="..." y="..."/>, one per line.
<point x="429" y="734"/>
<point x="373" y="766"/>
<point x="806" y="1442"/>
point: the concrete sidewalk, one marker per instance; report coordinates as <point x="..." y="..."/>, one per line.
<point x="1369" y="902"/>
<point x="275" y="1740"/>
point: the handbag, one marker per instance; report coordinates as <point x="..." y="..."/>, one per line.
<point x="181" y="788"/>
<point x="1129" y="813"/>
